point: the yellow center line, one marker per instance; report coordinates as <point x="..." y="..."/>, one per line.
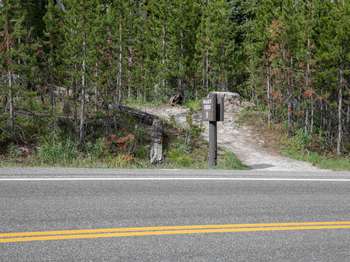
<point x="161" y="228"/>
<point x="167" y="230"/>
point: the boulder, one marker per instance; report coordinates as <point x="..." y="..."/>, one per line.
<point x="232" y="101"/>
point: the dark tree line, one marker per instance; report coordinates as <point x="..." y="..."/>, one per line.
<point x="72" y="58"/>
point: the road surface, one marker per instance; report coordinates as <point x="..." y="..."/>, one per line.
<point x="150" y="215"/>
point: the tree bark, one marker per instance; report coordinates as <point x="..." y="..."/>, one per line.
<point x="348" y="116"/>
<point x="11" y="104"/>
<point x="82" y="98"/>
<point x="163" y="81"/>
<point x="120" y="65"/>
<point x="9" y="78"/>
<point x="206" y="71"/>
<point x="180" y="76"/>
<point x="156" y="154"/>
<point x="141" y="116"/>
<point x="306" y="127"/>
<point x="269" y="97"/>
<point x="96" y="88"/>
<point x="340" y="106"/>
<point x="312" y="116"/>
<point x="290" y="96"/>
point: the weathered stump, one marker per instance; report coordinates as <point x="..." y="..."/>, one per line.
<point x="176" y="100"/>
<point x="156" y="154"/>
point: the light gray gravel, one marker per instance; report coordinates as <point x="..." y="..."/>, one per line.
<point x="241" y="140"/>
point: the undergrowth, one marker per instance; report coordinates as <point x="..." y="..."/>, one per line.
<point x="194" y="105"/>
<point x="301" y="146"/>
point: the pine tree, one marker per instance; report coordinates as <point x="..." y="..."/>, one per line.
<point x="215" y="44"/>
<point x="183" y="25"/>
<point x="14" y="56"/>
<point x="77" y="52"/>
<point x="334" y="54"/>
<point x="260" y="46"/>
<point x="53" y="41"/>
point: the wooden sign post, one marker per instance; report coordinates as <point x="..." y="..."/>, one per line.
<point x="213" y="111"/>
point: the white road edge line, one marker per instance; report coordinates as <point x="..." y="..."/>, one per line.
<point x="38" y="179"/>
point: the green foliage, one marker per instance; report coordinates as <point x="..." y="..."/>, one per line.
<point x="179" y="157"/>
<point x="55" y="151"/>
<point x="95" y="150"/>
<point x="13" y="151"/>
<point x="142" y="152"/>
<point x="299" y="143"/>
<point x="92" y="53"/>
<point x="194" y="105"/>
<point x="140" y="103"/>
<point x="322" y="161"/>
<point x="229" y="161"/>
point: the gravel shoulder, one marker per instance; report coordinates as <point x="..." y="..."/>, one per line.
<point x="241" y="140"/>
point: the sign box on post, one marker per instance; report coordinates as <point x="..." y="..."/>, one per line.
<point x="209" y="108"/>
<point x="213" y="111"/>
<point x="220" y="102"/>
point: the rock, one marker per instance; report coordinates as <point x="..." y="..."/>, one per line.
<point x="247" y="104"/>
<point x="232" y="101"/>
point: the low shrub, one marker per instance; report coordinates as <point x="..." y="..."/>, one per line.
<point x="178" y="156"/>
<point x="194" y="105"/>
<point x="53" y="151"/>
<point x="297" y="145"/>
<point x="13" y="151"/>
<point x="230" y="161"/>
<point x="95" y="150"/>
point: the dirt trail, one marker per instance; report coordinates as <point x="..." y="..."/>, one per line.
<point x="241" y="140"/>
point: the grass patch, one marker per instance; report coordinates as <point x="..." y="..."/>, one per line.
<point x="229" y="161"/>
<point x="194" y="105"/>
<point x="132" y="102"/>
<point x="183" y="148"/>
<point x="322" y="161"/>
<point x="298" y="147"/>
<point x="301" y="146"/>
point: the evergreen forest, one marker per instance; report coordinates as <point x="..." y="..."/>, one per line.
<point x="71" y="59"/>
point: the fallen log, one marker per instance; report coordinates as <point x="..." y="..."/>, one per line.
<point x="141" y="116"/>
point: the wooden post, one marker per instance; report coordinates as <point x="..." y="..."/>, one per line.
<point x="213" y="144"/>
<point x="213" y="141"/>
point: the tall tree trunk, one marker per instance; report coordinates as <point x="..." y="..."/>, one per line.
<point x="290" y="96"/>
<point x="206" y="71"/>
<point x="306" y="128"/>
<point x="9" y="78"/>
<point x="11" y="104"/>
<point x="163" y="81"/>
<point x="130" y="64"/>
<point x="340" y="106"/>
<point x="180" y="77"/>
<point x="120" y="64"/>
<point x="95" y="88"/>
<point x="312" y="116"/>
<point x="269" y="95"/>
<point x="82" y="98"/>
<point x="348" y="116"/>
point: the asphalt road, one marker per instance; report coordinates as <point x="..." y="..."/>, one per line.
<point x="41" y="200"/>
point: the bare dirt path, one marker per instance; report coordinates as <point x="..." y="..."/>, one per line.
<point x="241" y="140"/>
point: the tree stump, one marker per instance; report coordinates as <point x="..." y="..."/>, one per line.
<point x="156" y="154"/>
<point x="176" y="99"/>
